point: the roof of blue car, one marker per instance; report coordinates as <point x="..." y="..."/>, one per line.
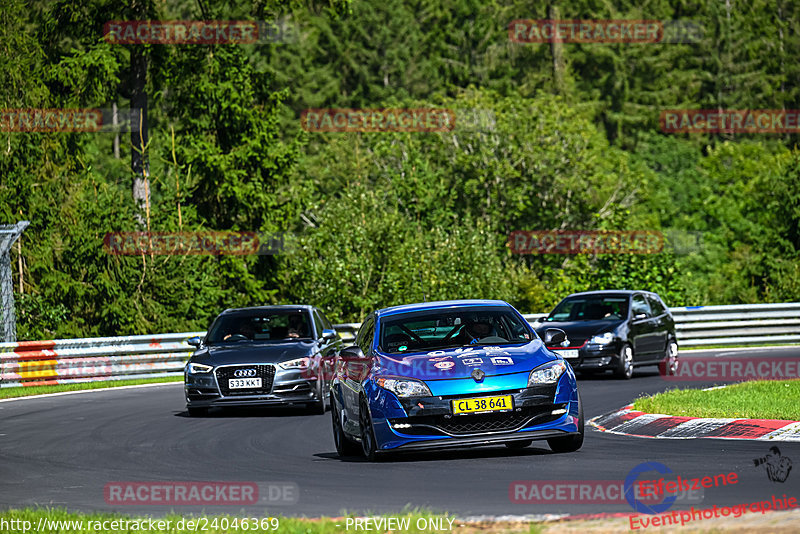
<point x="420" y="306"/>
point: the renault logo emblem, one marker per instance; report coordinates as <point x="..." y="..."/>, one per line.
<point x="477" y="375"/>
<point x="243" y="373"/>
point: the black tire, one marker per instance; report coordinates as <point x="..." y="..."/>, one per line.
<point x="318" y="407"/>
<point x="570" y="443"/>
<point x="669" y="365"/>
<point x="369" y="446"/>
<point x="624" y="369"/>
<point x="197" y="412"/>
<point x="344" y="447"/>
<point x="518" y="445"/>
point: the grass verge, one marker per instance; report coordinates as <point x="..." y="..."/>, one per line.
<point x="761" y="399"/>
<point x="26" y="391"/>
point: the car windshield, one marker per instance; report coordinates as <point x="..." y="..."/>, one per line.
<point x="259" y="326"/>
<point x="442" y="329"/>
<point x="590" y="309"/>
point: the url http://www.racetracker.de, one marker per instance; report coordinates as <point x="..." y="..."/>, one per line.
<point x="198" y="524"/>
<point x="638" y="522"/>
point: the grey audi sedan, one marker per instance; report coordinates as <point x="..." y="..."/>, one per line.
<point x="267" y="355"/>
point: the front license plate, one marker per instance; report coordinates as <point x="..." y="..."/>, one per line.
<point x="244" y="383"/>
<point x="567" y="353"/>
<point x="483" y="404"/>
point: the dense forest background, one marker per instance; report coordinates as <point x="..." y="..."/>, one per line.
<point x="548" y="136"/>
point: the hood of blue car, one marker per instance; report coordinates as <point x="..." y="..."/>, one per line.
<point x="253" y="352"/>
<point x="579" y="331"/>
<point x="461" y="362"/>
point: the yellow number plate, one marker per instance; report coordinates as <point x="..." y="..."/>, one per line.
<point x="483" y="404"/>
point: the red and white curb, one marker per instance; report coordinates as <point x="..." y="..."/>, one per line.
<point x="629" y="422"/>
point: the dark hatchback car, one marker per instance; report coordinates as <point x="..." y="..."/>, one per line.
<point x="614" y="330"/>
<point x="262" y="356"/>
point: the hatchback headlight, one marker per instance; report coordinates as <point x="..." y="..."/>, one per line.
<point x="602" y="339"/>
<point x="297" y="363"/>
<point x="405" y="387"/>
<point x="548" y="373"/>
<point x="197" y="368"/>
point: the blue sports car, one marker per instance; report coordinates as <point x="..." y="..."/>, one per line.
<point x="452" y="374"/>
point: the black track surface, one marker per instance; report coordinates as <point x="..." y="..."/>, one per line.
<point x="61" y="451"/>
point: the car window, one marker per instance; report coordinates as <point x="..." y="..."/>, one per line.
<point x="318" y="326"/>
<point x="259" y="325"/>
<point x="442" y="329"/>
<point x="655" y="305"/>
<point x="639" y="305"/>
<point x="365" y="335"/>
<point x="591" y="308"/>
<point x="326" y="323"/>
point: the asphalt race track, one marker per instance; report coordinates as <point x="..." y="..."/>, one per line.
<point x="61" y="451"/>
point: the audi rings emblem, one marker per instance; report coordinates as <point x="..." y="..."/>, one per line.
<point x="243" y="373"/>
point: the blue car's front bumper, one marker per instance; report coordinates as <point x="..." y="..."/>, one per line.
<point x="540" y="412"/>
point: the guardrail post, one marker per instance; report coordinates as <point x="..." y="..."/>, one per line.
<point x="9" y="233"/>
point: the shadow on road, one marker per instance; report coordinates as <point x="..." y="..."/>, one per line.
<point x="248" y="412"/>
<point x="449" y="455"/>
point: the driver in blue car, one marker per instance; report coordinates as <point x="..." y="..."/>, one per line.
<point x="474" y="331"/>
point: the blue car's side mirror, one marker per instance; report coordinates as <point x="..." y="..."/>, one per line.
<point x="195" y="341"/>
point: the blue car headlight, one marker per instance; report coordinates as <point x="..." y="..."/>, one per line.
<point x="197" y="368"/>
<point x="404" y="387"/>
<point x="602" y="339"/>
<point x="548" y="373"/>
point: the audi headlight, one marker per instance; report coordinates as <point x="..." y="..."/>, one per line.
<point x="603" y="339"/>
<point x="548" y="373"/>
<point x="195" y="368"/>
<point x="297" y="363"/>
<point x="405" y="387"/>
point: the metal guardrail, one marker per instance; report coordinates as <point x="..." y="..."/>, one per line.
<point x="63" y="361"/>
<point x="746" y="324"/>
<point x="697" y="326"/>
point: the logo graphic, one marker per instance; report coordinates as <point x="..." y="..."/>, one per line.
<point x="777" y="466"/>
<point x="472" y="361"/>
<point x="444" y="365"/>
<point x="478" y="375"/>
<point x="502" y="360"/>
<point x="635" y="503"/>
